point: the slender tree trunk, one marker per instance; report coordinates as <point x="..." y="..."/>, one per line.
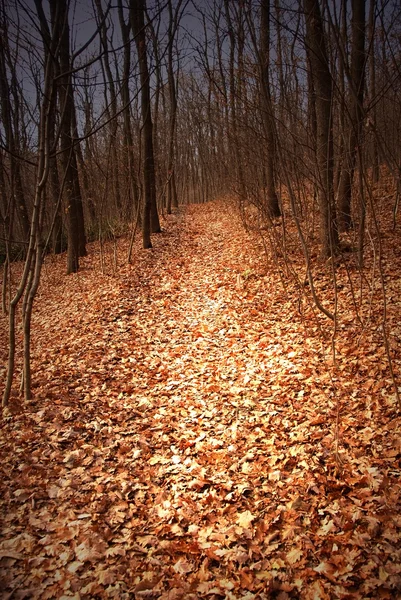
<point x="53" y="175"/>
<point x="79" y="204"/>
<point x="17" y="191"/>
<point x="372" y="91"/>
<point x="80" y="163"/>
<point x="126" y="102"/>
<point x="342" y="99"/>
<point x="73" y="200"/>
<point x="111" y="107"/>
<point x="233" y="121"/>
<point x="55" y="189"/>
<point x="322" y="84"/>
<point x="6" y="228"/>
<point x="30" y="277"/>
<point x="150" y="222"/>
<point x="273" y="207"/>
<point x="90" y="192"/>
<point x="356" y="86"/>
<point x="172" y="199"/>
<point x="158" y="98"/>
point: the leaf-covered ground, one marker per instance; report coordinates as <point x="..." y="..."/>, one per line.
<point x="189" y="436"/>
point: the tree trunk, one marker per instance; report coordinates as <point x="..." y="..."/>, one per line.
<point x="17" y="191"/>
<point x="73" y="200"/>
<point x="372" y="91"/>
<point x="126" y="101"/>
<point x="322" y="84"/>
<point x="111" y="106"/>
<point x="356" y="87"/>
<point x="172" y="200"/>
<point x="342" y="117"/>
<point x="29" y="281"/>
<point x="233" y="121"/>
<point x="55" y="188"/>
<point x="150" y="221"/>
<point x="53" y="175"/>
<point x="80" y="162"/>
<point x="273" y="207"/>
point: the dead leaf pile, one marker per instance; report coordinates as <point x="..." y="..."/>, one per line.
<point x="190" y="438"/>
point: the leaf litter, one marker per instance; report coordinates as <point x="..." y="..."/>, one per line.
<point x="188" y="437"/>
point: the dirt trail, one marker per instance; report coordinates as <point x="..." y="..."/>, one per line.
<point x="181" y="442"/>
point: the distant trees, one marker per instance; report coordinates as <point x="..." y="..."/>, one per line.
<point x="267" y="89"/>
<point x="293" y="104"/>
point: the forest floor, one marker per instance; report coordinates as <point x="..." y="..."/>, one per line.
<point x="190" y="436"/>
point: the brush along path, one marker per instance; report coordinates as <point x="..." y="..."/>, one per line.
<point x="181" y="442"/>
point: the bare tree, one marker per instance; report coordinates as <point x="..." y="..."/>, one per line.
<point x="9" y="119"/>
<point x="73" y="199"/>
<point x="233" y="131"/>
<point x="125" y="27"/>
<point x="273" y="207"/>
<point x="137" y="14"/>
<point x="174" y="19"/>
<point x="316" y="48"/>
<point x="372" y="89"/>
<point x="30" y="278"/>
<point x="355" y="111"/>
<point x="110" y="97"/>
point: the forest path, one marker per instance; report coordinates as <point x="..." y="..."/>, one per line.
<point x="181" y="442"/>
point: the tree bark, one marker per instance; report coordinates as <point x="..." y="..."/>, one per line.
<point x="17" y="191"/>
<point x="232" y="101"/>
<point x="150" y="222"/>
<point x="172" y="200"/>
<point x="73" y="200"/>
<point x="55" y="187"/>
<point x="111" y="106"/>
<point x="126" y="101"/>
<point x="322" y="85"/>
<point x="356" y="89"/>
<point x="273" y="207"/>
<point x="54" y="180"/>
<point x="30" y="277"/>
<point x="372" y="91"/>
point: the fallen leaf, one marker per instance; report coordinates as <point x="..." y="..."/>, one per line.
<point x="245" y="519"/>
